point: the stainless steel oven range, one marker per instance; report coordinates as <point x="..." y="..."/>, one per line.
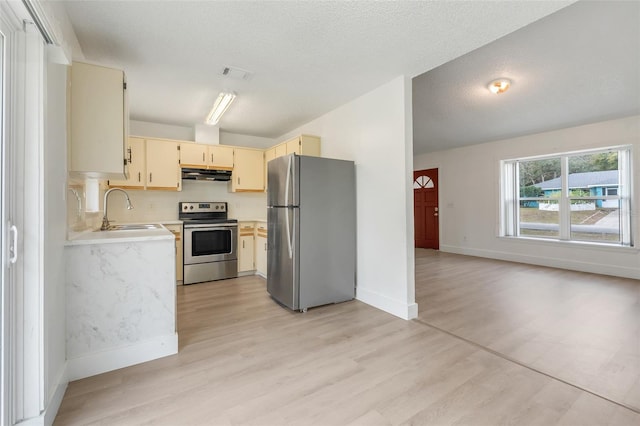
<point x="210" y="242"/>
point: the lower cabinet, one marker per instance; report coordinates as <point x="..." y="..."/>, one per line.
<point x="261" y="249"/>
<point x="246" y="241"/>
<point x="176" y="230"/>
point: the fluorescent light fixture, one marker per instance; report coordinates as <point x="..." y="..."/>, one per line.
<point x="500" y="85"/>
<point x="219" y="107"/>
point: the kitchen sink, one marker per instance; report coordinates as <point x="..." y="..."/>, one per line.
<point x="134" y="227"/>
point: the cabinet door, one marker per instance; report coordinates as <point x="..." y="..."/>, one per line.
<point x="293" y="146"/>
<point x="97" y="130"/>
<point x="248" y="170"/>
<point x="220" y="157"/>
<point x="269" y="155"/>
<point x="137" y="161"/>
<point x="281" y="150"/>
<point x="261" y="249"/>
<point x="245" y="246"/>
<point x="163" y="167"/>
<point x="193" y="155"/>
<point x="309" y="145"/>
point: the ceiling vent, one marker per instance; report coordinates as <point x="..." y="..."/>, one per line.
<point x="236" y="73"/>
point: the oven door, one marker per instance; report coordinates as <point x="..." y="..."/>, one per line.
<point x="210" y="243"/>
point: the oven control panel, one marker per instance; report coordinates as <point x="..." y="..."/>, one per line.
<point x="206" y="207"/>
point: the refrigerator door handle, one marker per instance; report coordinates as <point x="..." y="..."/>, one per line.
<point x="286" y="217"/>
<point x="286" y="203"/>
<point x="287" y="183"/>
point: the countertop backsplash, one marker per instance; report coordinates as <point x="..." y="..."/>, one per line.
<point x="158" y="206"/>
<point x="78" y="219"/>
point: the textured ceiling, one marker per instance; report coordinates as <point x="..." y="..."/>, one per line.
<point x="576" y="66"/>
<point x="308" y="57"/>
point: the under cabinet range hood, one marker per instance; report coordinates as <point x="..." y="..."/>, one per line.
<point x="201" y="174"/>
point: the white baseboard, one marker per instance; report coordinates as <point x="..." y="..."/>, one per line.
<point x="59" y="389"/>
<point x="392" y="306"/>
<point x="113" y="359"/>
<point x="552" y="262"/>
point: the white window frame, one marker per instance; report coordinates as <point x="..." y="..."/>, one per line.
<point x="510" y="197"/>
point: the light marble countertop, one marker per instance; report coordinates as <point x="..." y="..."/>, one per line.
<point x="170" y="222"/>
<point x="107" y="237"/>
<point x="252" y="220"/>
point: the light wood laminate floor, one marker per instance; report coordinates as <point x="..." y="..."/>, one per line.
<point x="581" y="328"/>
<point x="244" y="360"/>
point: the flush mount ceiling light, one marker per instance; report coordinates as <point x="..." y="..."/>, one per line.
<point x="500" y="85"/>
<point x="220" y="106"/>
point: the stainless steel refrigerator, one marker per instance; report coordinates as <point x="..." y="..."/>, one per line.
<point x="311" y="214"/>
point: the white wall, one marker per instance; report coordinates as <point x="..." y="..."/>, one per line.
<point x="236" y="139"/>
<point x="159" y="130"/>
<point x="200" y="133"/>
<point x="469" y="180"/>
<point x="375" y="131"/>
<point x="55" y="171"/>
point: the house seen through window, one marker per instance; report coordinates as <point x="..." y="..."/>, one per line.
<point x="579" y="196"/>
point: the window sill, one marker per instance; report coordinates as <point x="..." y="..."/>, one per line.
<point x="572" y="244"/>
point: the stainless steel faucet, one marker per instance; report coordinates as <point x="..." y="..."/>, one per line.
<point x="105" y="221"/>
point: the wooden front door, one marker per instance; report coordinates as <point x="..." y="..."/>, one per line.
<point x="425" y="208"/>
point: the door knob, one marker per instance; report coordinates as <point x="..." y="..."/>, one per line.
<point x="435" y="214"/>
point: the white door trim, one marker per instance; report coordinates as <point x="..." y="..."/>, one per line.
<point x="23" y="197"/>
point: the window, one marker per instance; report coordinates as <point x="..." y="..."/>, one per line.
<point x="579" y="196"/>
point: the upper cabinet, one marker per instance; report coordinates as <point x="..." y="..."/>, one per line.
<point x="136" y="158"/>
<point x="193" y="155"/>
<point x="221" y="157"/>
<point x="280" y="149"/>
<point x="304" y="145"/>
<point x="248" y="170"/>
<point x="98" y="121"/>
<point x="163" y="165"/>
<point x="300" y="145"/>
<point x="201" y="156"/>
<point x="269" y="155"/>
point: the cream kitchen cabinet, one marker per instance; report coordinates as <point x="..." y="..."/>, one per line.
<point x="281" y="149"/>
<point x="248" y="170"/>
<point x="261" y="249"/>
<point x="221" y="157"/>
<point x="304" y="145"/>
<point x="193" y="155"/>
<point x="137" y="166"/>
<point x="98" y="121"/>
<point x="269" y="155"/>
<point x="176" y="230"/>
<point x="163" y="165"/>
<point x="201" y="156"/>
<point x="246" y="240"/>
